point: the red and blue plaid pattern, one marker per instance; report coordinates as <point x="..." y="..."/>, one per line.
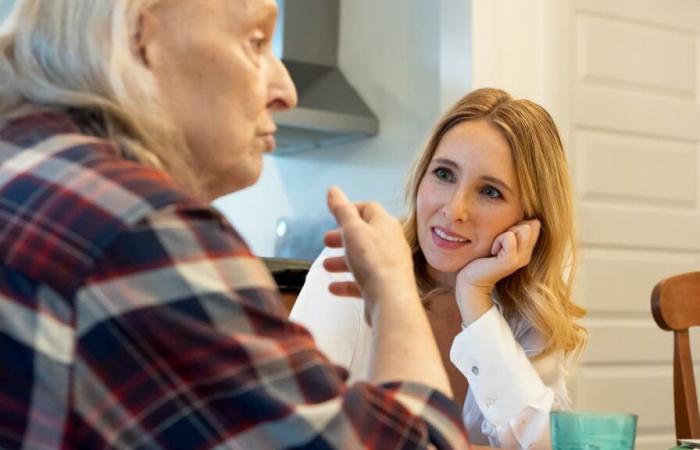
<point x="133" y="316"/>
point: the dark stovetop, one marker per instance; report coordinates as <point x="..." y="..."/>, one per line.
<point x="289" y="274"/>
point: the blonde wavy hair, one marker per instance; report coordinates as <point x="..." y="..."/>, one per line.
<point x="72" y="54"/>
<point x="540" y="292"/>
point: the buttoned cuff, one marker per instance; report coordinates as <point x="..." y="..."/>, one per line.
<point x="500" y="376"/>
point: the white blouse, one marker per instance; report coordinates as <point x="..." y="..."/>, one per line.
<point x="509" y="397"/>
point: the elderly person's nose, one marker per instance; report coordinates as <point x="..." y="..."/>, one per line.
<point x="283" y="93"/>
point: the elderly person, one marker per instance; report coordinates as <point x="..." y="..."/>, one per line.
<point x="131" y="313"/>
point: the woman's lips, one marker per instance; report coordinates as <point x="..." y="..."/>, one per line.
<point x="447" y="240"/>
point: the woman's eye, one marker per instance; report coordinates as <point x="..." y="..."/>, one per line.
<point x="491" y="192"/>
<point x="443" y="174"/>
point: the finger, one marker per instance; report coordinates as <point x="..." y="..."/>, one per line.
<point x="333" y="239"/>
<point x="528" y="233"/>
<point x="345" y="289"/>
<point x="536" y="228"/>
<point x="369" y="211"/>
<point x="532" y="226"/>
<point x="341" y="207"/>
<point x="535" y="224"/>
<point x="509" y="245"/>
<point x="496" y="246"/>
<point x="522" y="232"/>
<point x="528" y="243"/>
<point x="336" y="264"/>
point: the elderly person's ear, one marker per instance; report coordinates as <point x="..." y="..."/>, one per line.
<point x="143" y="41"/>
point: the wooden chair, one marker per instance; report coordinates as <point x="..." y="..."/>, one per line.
<point x="675" y="304"/>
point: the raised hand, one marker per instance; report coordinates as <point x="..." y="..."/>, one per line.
<point x="510" y="251"/>
<point x="378" y="255"/>
<point x="376" y="251"/>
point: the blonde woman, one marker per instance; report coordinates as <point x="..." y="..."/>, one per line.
<point x="491" y="227"/>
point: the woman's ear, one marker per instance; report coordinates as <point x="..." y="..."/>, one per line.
<point x="143" y="42"/>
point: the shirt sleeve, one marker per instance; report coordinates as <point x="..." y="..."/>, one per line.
<point x="514" y="394"/>
<point x="182" y="342"/>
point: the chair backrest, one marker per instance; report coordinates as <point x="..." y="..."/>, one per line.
<point x="675" y="305"/>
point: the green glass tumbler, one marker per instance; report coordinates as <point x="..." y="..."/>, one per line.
<point x="584" y="430"/>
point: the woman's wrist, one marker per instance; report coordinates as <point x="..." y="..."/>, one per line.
<point x="473" y="302"/>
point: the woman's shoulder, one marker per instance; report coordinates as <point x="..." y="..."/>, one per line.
<point x="315" y="293"/>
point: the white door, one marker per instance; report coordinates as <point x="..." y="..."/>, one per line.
<point x="621" y="79"/>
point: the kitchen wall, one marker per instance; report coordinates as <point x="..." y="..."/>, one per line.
<point x="5" y="6"/>
<point x="397" y="70"/>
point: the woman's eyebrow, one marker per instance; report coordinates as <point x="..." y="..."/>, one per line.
<point x="446" y="162"/>
<point x="497" y="181"/>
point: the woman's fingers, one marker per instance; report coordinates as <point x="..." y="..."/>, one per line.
<point x="496" y="246"/>
<point x="527" y="232"/>
<point x="345" y="289"/>
<point x="509" y="245"/>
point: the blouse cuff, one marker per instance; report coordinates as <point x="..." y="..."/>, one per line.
<point x="500" y="375"/>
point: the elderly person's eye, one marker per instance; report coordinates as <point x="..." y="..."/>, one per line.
<point x="259" y="43"/>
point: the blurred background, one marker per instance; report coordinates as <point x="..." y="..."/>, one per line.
<point x="621" y="80"/>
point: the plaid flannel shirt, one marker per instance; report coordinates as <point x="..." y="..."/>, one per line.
<point x="134" y="316"/>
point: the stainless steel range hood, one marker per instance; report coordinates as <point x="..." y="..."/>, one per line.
<point x="330" y="111"/>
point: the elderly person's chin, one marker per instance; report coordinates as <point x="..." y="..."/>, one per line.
<point x="231" y="176"/>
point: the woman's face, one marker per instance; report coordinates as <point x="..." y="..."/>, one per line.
<point x="467" y="197"/>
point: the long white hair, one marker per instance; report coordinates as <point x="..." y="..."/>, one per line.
<point x="81" y="54"/>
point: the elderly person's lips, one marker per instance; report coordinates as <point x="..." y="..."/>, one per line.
<point x="269" y="142"/>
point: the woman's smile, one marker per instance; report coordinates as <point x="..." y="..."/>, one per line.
<point x="448" y="240"/>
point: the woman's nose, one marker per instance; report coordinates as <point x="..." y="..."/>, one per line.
<point x="457" y="208"/>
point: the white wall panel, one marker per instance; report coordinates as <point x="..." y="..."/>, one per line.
<point x="631" y="55"/>
<point x="627" y="168"/>
<point x="676" y="14"/>
<point x="621" y="281"/>
<point x="628" y="341"/>
<point x="646" y="391"/>
<point x="643" y="227"/>
<point x="608" y="108"/>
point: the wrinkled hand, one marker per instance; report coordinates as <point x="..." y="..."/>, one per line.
<point x="376" y="251"/>
<point x="510" y="251"/>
